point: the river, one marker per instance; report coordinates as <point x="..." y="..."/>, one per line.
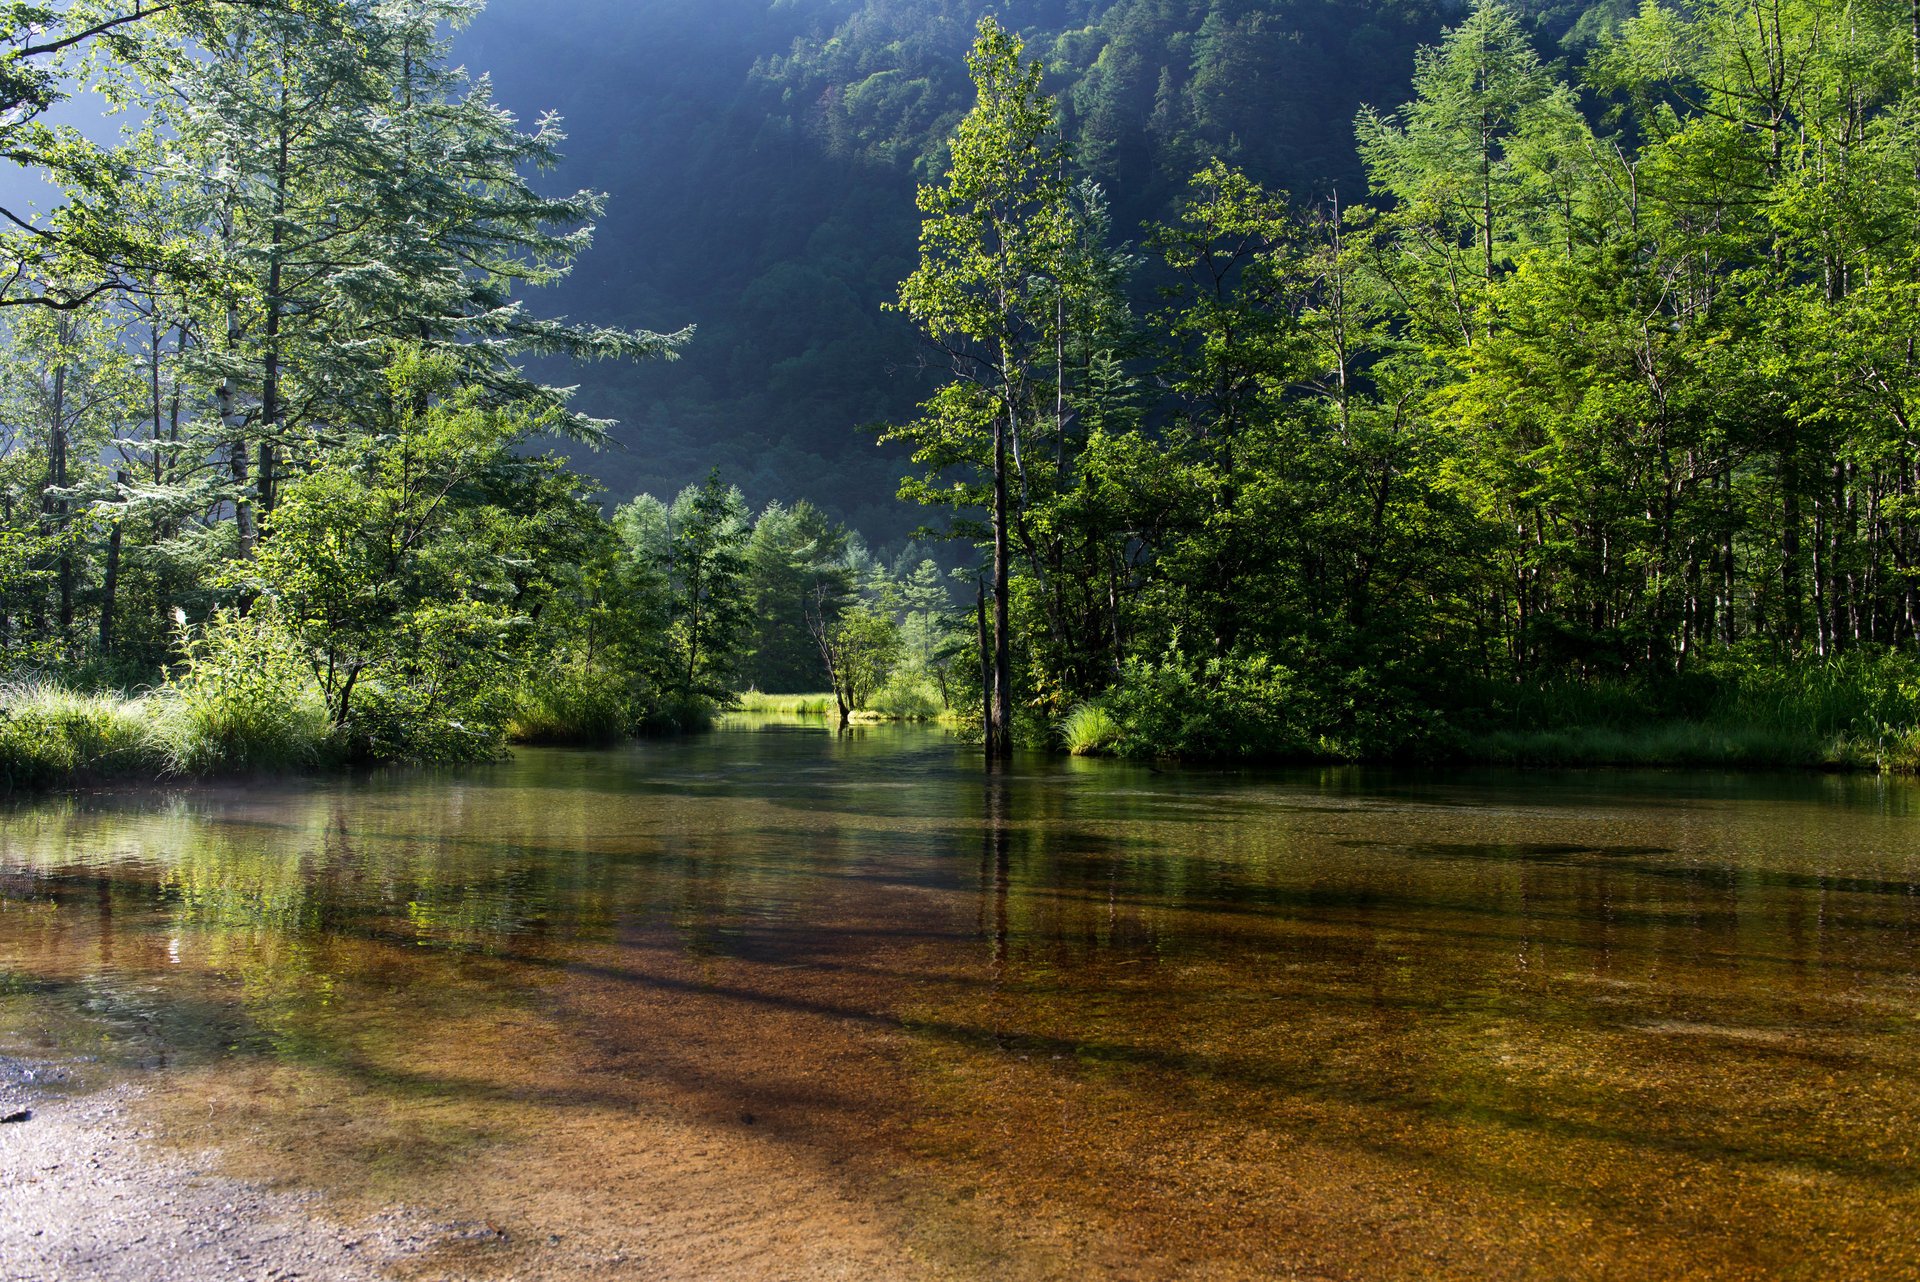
<point x="774" y="1002"/>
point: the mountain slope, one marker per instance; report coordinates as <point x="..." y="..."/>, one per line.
<point x="762" y="158"/>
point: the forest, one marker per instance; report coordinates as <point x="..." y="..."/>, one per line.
<point x="786" y="140"/>
<point x="1582" y="437"/>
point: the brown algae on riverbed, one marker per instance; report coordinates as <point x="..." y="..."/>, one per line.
<point x="794" y="1005"/>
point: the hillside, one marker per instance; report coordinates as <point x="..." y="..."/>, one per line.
<point x="762" y="158"/>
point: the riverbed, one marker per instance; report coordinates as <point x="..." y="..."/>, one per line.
<point x="776" y="1002"/>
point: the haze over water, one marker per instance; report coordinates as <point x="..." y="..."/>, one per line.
<point x="772" y="986"/>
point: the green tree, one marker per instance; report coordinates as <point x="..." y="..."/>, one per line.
<point x="399" y="571"/>
<point x="794" y="551"/>
<point x="995" y="231"/>
<point x="699" y="547"/>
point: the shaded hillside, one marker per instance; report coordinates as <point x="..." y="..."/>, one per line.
<point x="762" y="159"/>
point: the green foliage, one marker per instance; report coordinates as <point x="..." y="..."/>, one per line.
<point x="394" y="573"/>
<point x="796" y="559"/>
<point x="573" y="703"/>
<point x="1185" y="707"/>
<point x="245" y="700"/>
<point x="860" y="648"/>
<point x="755" y="703"/>
<point x="50" y="736"/>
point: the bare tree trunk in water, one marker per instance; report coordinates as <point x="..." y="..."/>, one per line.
<point x="1000" y="728"/>
<point x="986" y="667"/>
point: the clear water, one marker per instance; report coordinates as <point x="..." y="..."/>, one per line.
<point x="1077" y="1019"/>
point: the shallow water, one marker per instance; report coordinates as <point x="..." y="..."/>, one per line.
<point x="705" y="1005"/>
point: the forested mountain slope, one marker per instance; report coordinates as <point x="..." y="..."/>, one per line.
<point x="762" y="159"/>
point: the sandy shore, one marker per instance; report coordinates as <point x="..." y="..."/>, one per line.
<point x="85" y="1195"/>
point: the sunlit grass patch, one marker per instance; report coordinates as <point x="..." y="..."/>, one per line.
<point x="784" y="705"/>
<point x="1089" y="730"/>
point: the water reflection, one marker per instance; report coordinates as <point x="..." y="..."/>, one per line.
<point x="1045" y="1022"/>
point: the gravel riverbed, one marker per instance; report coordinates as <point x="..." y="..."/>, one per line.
<point x="85" y="1196"/>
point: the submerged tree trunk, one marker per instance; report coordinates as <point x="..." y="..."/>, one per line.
<point x="1000" y="726"/>
<point x="986" y="666"/>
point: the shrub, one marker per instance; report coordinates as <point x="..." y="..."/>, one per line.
<point x="1238" y="706"/>
<point x="573" y="703"/>
<point x="906" y="697"/>
<point x="245" y="700"/>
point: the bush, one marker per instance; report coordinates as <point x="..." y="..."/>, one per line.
<point x="1233" y="707"/>
<point x="246" y="700"/>
<point x="906" y="697"/>
<point x="573" y="703"/>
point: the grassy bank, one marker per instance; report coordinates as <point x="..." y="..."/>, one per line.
<point x="895" y="702"/>
<point x="754" y="703"/>
<point x="50" y="736"/>
<point x="1861" y="713"/>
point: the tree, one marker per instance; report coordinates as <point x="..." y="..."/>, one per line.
<point x="859" y="645"/>
<point x="699" y="546"/>
<point x="995" y="233"/>
<point x="794" y="553"/>
<point x="396" y="567"/>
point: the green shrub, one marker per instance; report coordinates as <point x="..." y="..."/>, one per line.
<point x="906" y="697"/>
<point x="1215" y="709"/>
<point x="573" y="703"/>
<point x="245" y="700"/>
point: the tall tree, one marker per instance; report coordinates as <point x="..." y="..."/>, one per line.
<point x="995" y="233"/>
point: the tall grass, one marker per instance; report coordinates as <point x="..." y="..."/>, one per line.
<point x="1857" y="712"/>
<point x="49" y="734"/>
<point x="1089" y="730"/>
<point x="573" y="704"/>
<point x="784" y="705"/>
<point x="246" y="700"/>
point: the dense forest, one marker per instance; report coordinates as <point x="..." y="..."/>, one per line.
<point x="1556" y="408"/>
<point x="761" y="159"/>
<point x="1609" y="384"/>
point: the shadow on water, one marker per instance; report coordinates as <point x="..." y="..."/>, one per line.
<point x="1221" y="1020"/>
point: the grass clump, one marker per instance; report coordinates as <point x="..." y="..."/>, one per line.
<point x="1090" y="731"/>
<point x="49" y="734"/>
<point x="756" y="703"/>
<point x="573" y="704"/>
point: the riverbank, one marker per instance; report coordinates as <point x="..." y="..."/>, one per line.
<point x="1855" y="714"/>
<point x="1831" y="719"/>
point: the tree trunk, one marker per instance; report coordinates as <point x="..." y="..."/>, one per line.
<point x="56" y="505"/>
<point x="986" y="667"/>
<point x="110" y="582"/>
<point x="1792" y="606"/>
<point x="1000" y="732"/>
